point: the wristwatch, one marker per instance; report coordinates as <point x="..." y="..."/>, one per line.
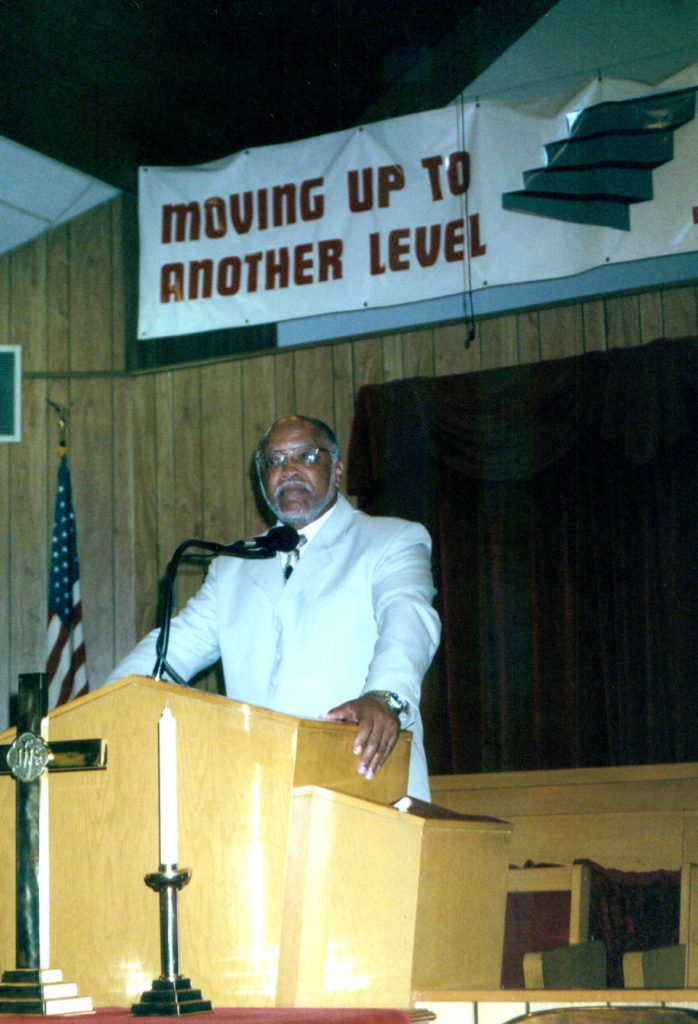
<point x="394" y="703"/>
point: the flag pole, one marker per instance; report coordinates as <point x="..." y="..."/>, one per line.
<point x="65" y="646"/>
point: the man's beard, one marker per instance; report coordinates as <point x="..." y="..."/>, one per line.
<point x="300" y="517"/>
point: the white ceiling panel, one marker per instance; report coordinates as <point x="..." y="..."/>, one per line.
<point x="37" y="193"/>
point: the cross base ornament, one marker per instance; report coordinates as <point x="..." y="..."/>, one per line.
<point x="40" y="991"/>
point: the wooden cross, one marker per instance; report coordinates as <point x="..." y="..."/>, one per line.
<point x="28" y="760"/>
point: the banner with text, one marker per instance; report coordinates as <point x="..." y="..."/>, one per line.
<point x="470" y="196"/>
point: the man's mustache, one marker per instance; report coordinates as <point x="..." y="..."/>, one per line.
<point x="296" y="485"/>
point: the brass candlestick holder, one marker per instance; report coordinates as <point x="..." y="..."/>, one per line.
<point x="170" y="995"/>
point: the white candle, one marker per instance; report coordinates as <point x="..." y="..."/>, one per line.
<point x="167" y="747"/>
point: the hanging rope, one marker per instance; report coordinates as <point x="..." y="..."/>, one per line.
<point x="468" y="314"/>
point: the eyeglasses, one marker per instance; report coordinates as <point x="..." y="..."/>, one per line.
<point x="275" y="459"/>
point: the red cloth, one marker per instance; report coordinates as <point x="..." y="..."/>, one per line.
<point x="243" y="1015"/>
<point x="632" y="911"/>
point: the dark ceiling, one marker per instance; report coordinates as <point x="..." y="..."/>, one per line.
<point x="107" y="85"/>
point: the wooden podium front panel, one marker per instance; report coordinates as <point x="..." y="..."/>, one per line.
<point x="459" y="935"/>
<point x="7" y="859"/>
<point x="379" y="903"/>
<point x="351" y="903"/>
<point x="236" y="771"/>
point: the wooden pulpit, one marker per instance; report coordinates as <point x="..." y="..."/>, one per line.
<point x="238" y="770"/>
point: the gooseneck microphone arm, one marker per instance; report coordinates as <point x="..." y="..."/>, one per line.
<point x="279" y="538"/>
<point x="168" y="608"/>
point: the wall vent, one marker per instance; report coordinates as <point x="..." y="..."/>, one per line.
<point x="10" y="393"/>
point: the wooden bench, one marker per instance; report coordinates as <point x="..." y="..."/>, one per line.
<point x="637" y="818"/>
<point x="633" y="819"/>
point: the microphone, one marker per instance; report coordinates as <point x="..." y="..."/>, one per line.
<point x="279" y="538"/>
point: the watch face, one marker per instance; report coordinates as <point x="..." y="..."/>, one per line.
<point x="392" y="701"/>
<point x="396" y="702"/>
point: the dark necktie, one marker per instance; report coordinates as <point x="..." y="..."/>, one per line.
<point x="293" y="556"/>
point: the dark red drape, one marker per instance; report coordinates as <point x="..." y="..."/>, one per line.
<point x="563" y="502"/>
<point x="630" y="911"/>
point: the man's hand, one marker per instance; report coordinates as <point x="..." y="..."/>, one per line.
<point x="378" y="730"/>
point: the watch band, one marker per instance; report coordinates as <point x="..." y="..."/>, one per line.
<point x="394" y="703"/>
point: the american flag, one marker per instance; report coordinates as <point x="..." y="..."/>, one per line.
<point x="65" y="660"/>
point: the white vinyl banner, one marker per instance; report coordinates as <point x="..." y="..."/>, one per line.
<point x="470" y="196"/>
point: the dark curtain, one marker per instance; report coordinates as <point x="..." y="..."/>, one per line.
<point x="562" y="498"/>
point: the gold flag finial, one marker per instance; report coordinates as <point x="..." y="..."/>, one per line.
<point x="62" y="415"/>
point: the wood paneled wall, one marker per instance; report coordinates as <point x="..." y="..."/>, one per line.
<point x="62" y="300"/>
<point x="163" y="455"/>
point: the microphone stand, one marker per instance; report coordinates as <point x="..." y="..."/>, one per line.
<point x="281" y="538"/>
<point x="164" y="634"/>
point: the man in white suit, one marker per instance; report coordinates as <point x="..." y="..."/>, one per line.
<point x="350" y="629"/>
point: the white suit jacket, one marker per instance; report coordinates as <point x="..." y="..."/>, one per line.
<point x="355" y="616"/>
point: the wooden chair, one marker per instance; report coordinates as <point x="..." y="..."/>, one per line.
<point x="559" y="954"/>
<point x="546" y="942"/>
<point x="674" y="966"/>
